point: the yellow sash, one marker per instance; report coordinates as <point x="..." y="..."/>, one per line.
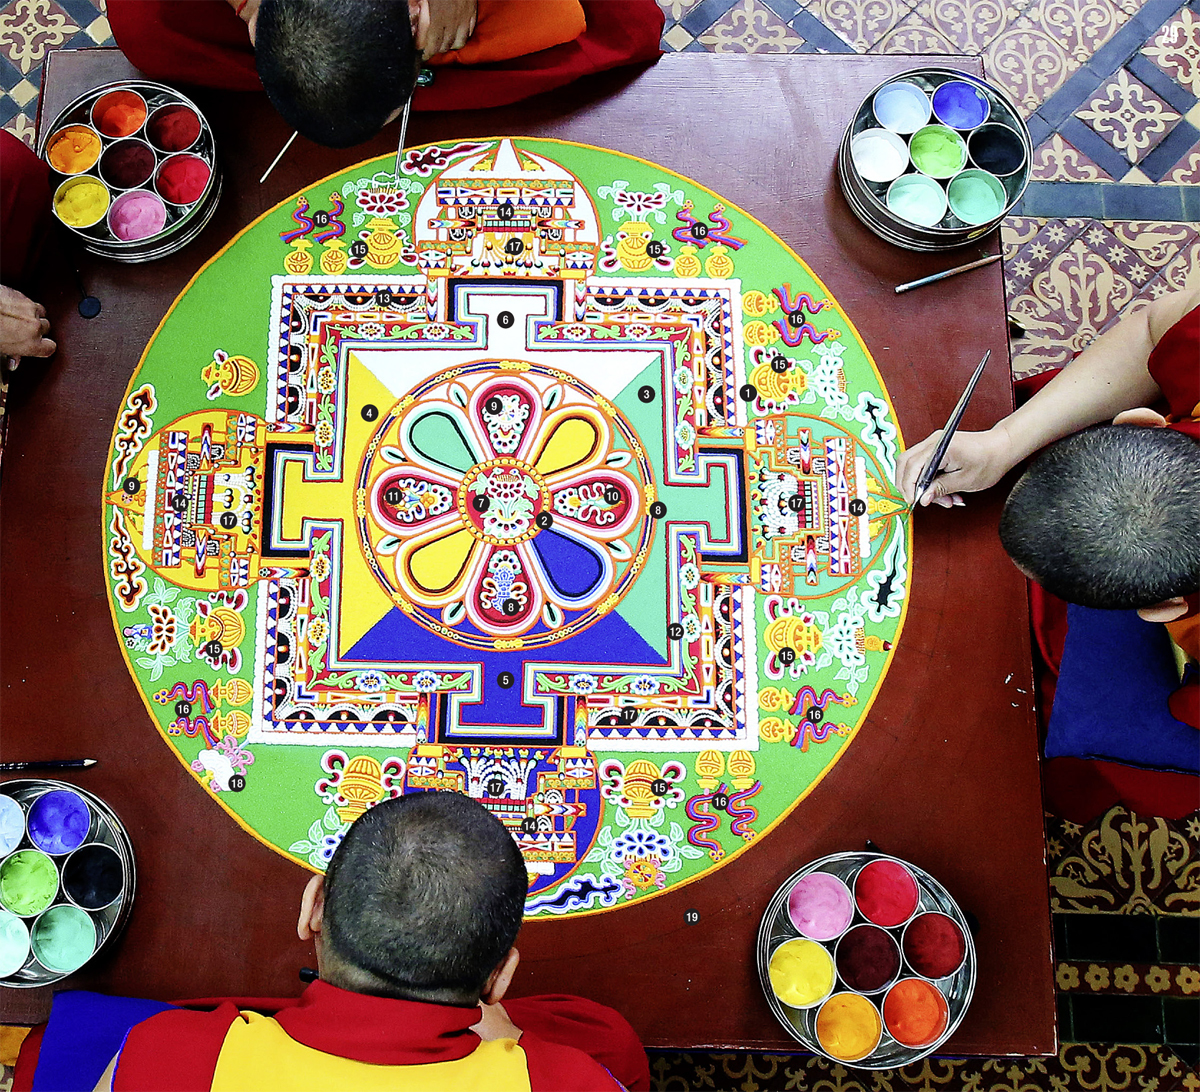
<point x="258" y="1055"/>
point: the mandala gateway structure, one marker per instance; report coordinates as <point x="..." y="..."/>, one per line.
<point x="537" y="473"/>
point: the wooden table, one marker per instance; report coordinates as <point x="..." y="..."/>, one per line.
<point x="944" y="773"/>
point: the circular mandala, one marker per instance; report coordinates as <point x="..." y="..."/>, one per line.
<point x="533" y="472"/>
<point x="506" y="500"/>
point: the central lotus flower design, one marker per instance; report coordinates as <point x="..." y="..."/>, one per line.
<point x="504" y="500"/>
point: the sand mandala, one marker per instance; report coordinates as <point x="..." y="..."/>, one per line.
<point x="538" y="473"/>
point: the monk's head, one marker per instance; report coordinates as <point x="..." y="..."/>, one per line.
<point x="337" y="70"/>
<point x="422" y="900"/>
<point x="1110" y="517"/>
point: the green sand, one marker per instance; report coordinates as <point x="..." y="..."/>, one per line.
<point x="28" y="882"/>
<point x="976" y="197"/>
<point x="14" y="943"/>
<point x="64" y="938"/>
<point x="938" y="151"/>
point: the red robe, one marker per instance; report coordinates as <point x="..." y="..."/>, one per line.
<point x="203" y="42"/>
<point x="24" y="210"/>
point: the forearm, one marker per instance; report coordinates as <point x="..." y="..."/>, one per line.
<point x="1109" y="376"/>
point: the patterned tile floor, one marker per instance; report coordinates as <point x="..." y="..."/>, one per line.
<point x="1110" y="90"/>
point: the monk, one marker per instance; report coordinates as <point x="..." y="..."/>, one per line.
<point x="414" y="925"/>
<point x="24" y="223"/>
<point x="338" y="70"/>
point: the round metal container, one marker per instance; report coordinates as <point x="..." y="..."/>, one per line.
<point x="183" y="224"/>
<point x="868" y="200"/>
<point x="107" y="830"/>
<point x="776" y="929"/>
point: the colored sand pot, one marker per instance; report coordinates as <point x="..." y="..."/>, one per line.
<point x="74" y="149"/>
<point x="934" y="945"/>
<point x="28" y="883"/>
<point x="63" y="938"/>
<point x="59" y="821"/>
<point x="801" y="973"/>
<point x="182" y="178"/>
<point x="14" y="943"/>
<point x="127" y="163"/>
<point x="901" y="107"/>
<point x="81" y="202"/>
<point x="173" y="128"/>
<point x="976" y="197"/>
<point x="120" y="113"/>
<point x="918" y="199"/>
<point x="93" y="876"/>
<point x="848" y="1027"/>
<point x="820" y="906"/>
<point x="136" y="215"/>
<point x="12" y="825"/>
<point x="886" y="893"/>
<point x="879" y="155"/>
<point x="867" y="959"/>
<point x="997" y="149"/>
<point x="938" y="151"/>
<point x="915" y="1012"/>
<point x="960" y="105"/>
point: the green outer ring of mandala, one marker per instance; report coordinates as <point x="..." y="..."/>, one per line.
<point x="235" y="285"/>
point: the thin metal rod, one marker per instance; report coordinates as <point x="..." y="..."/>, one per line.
<point x="403" y="134"/>
<point x="947" y="273"/>
<point x="278" y="158"/>
<point x="931" y="468"/>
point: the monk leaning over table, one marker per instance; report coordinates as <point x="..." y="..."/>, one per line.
<point x="414" y="924"/>
<point x="24" y="221"/>
<point x="339" y="70"/>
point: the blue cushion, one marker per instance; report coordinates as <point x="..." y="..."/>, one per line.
<point x="1111" y="701"/>
<point x="84" y="1033"/>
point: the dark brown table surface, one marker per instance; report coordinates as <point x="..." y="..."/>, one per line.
<point x="944" y="773"/>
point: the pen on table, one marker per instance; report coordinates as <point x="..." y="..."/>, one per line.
<point x="48" y="764"/>
<point x="925" y="480"/>
<point x="947" y="273"/>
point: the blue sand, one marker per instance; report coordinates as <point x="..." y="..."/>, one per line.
<point x="960" y="105"/>
<point x="59" y="821"/>
<point x="397" y="637"/>
<point x="573" y="570"/>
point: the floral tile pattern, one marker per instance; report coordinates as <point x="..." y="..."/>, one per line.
<point x="969" y="24"/>
<point x="29" y="27"/>
<point x="1176" y="50"/>
<point x="1057" y="160"/>
<point x="861" y="23"/>
<point x="1187" y="171"/>
<point x="1080" y="26"/>
<point x="750" y="27"/>
<point x="1029" y="62"/>
<point x="1127" y="979"/>
<point x="1131" y="117"/>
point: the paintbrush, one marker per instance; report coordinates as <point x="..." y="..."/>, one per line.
<point x="931" y="468"/>
<point x="935" y="277"/>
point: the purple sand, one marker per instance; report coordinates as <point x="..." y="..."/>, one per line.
<point x="92" y="876"/>
<point x="820" y="906"/>
<point x="960" y="105"/>
<point x="59" y="821"/>
<point x="867" y="958"/>
<point x="127" y="163"/>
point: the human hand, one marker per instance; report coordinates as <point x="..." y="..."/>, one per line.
<point x="495" y="1024"/>
<point x="443" y="25"/>
<point x="23" y="326"/>
<point x="973" y="461"/>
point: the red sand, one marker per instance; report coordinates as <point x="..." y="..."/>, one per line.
<point x="886" y="893"/>
<point x="934" y="945"/>
<point x="173" y="128"/>
<point x="182" y="178"/>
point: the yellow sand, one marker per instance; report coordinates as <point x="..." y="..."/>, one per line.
<point x="801" y="973"/>
<point x="82" y="202"/>
<point x="848" y="1026"/>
